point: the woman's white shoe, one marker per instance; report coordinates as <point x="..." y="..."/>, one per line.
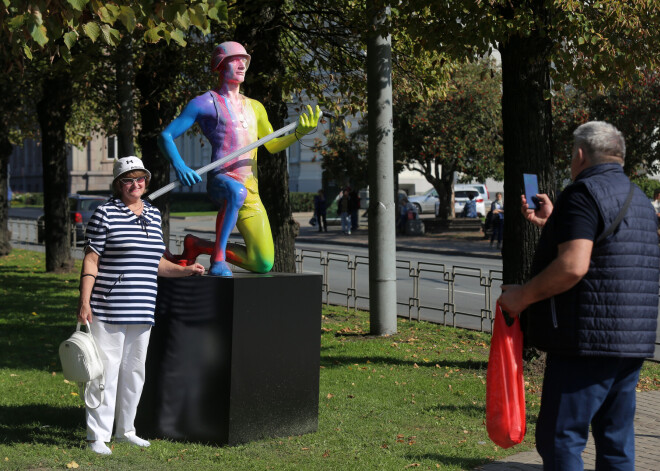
<point x="133" y="440"/>
<point x="99" y="447"/>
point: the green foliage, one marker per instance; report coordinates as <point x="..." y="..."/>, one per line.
<point x="28" y="199"/>
<point x="459" y="133"/>
<point x="345" y="157"/>
<point x="647" y="185"/>
<point x="323" y="47"/>
<point x="37" y="24"/>
<point x="301" y="202"/>
<point x="633" y="108"/>
<point x="602" y="41"/>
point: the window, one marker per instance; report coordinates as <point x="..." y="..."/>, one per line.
<point x="113" y="147"/>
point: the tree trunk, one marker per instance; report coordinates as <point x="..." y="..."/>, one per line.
<point x="157" y="109"/>
<point x="125" y="75"/>
<point x="527" y="121"/>
<point x="5" y="152"/>
<point x="443" y="186"/>
<point x="259" y="31"/>
<point x="53" y="111"/>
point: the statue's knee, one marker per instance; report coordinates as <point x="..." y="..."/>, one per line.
<point x="236" y="197"/>
<point x="263" y="264"/>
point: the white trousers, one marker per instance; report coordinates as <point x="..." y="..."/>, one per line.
<point x="123" y="350"/>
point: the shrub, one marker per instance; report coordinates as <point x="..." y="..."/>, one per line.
<point x="29" y="199"/>
<point x="191" y="202"/>
<point x="301" y="202"/>
<point x="647" y="185"/>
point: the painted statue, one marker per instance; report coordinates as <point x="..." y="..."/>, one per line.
<point x="230" y="121"/>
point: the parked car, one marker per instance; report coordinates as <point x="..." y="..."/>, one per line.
<point x="461" y="197"/>
<point x="480" y="187"/>
<point x="81" y="207"/>
<point x="425" y="203"/>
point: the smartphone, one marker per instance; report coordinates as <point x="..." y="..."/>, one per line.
<point x="531" y="183"/>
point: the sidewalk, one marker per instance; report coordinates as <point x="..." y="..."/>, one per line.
<point x="465" y="244"/>
<point x="647" y="442"/>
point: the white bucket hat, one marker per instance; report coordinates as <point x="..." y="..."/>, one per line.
<point x="127" y="164"/>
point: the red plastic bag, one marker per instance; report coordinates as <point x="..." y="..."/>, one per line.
<point x="505" y="389"/>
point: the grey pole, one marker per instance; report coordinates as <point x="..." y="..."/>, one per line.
<point x="382" y="208"/>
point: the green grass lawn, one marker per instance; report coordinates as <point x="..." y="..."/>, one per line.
<point x="412" y="400"/>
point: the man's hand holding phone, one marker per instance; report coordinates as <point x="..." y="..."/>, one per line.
<point x="540" y="215"/>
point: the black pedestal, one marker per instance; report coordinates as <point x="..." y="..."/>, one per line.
<point x="233" y="359"/>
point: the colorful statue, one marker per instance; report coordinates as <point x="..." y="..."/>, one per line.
<point x="231" y="121"/>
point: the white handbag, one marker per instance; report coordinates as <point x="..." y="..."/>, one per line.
<point x="82" y="363"/>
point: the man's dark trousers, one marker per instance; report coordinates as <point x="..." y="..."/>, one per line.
<point x="583" y="390"/>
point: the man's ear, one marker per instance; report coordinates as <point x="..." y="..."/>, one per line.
<point x="581" y="158"/>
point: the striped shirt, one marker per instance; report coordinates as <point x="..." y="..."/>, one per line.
<point x="130" y="249"/>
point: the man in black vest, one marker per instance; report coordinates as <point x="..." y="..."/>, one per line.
<point x="592" y="304"/>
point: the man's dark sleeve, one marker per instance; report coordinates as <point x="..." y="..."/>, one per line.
<point x="577" y="215"/>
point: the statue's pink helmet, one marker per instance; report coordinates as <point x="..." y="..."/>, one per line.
<point x="227" y="49"/>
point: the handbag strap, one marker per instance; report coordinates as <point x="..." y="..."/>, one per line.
<point x="619" y="216"/>
<point x="85" y="392"/>
<point x="84" y="387"/>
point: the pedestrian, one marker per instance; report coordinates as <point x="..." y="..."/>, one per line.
<point x="353" y="208"/>
<point x="656" y="201"/>
<point x="470" y="208"/>
<point x="592" y="304"/>
<point x="320" y="211"/>
<point x="497" y="219"/>
<point x="118" y="298"/>
<point x="231" y="121"/>
<point x="343" y="210"/>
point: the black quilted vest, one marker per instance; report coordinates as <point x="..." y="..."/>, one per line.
<point x="613" y="310"/>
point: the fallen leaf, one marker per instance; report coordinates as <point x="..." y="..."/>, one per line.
<point x="35" y="314"/>
<point x="73" y="465"/>
<point x="413" y="465"/>
<point x="326" y="453"/>
<point x="74" y="393"/>
<point x="330" y="396"/>
<point x="415" y="365"/>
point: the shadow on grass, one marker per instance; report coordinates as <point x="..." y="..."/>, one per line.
<point x="463" y="463"/>
<point x="333" y="361"/>
<point x="39" y="313"/>
<point x="472" y="410"/>
<point x="46" y="425"/>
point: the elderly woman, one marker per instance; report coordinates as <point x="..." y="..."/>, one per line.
<point x="118" y="298"/>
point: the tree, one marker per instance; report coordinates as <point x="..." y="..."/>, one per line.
<point x="16" y="105"/>
<point x="633" y="107"/>
<point x="344" y="156"/>
<point x="461" y="132"/>
<point x="60" y="34"/>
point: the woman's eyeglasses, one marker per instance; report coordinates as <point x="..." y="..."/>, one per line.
<point x="129" y="181"/>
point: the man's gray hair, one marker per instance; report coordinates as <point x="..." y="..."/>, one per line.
<point x="601" y="141"/>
